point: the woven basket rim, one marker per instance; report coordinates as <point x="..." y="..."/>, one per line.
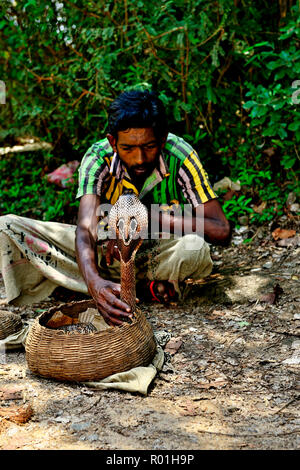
<point x="84" y="304"/>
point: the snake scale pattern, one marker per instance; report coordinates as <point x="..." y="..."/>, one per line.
<point x="128" y="222"/>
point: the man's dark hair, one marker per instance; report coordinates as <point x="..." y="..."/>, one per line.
<point x="137" y="109"/>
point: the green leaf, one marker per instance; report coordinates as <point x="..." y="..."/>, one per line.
<point x="288" y="161"/>
<point x="244" y="323"/>
<point x="274" y="65"/>
<point x="294" y="126"/>
<point x="249" y="104"/>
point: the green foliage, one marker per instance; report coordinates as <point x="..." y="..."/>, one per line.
<point x="227" y="72"/>
<point x="237" y="207"/>
<point x="273" y="125"/>
<point x="26" y="191"/>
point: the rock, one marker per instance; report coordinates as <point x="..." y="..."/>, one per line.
<point x="294" y="241"/>
<point x="291" y="199"/>
<point x="292" y="361"/>
<point x="268" y="265"/>
<point x="295" y="207"/>
<point x="241" y="230"/>
<point x="296" y="344"/>
<point x="237" y="240"/>
<point x="92" y="437"/>
<point x="60" y="419"/>
<point x="232" y="361"/>
<point x="80" y="426"/>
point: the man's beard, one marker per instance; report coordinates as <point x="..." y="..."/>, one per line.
<point x="145" y="170"/>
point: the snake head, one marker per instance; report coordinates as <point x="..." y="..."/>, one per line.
<point x="128" y="221"/>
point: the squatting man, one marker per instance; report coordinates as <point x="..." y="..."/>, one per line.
<point x="138" y="154"/>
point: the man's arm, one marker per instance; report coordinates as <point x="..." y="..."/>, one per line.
<point x="105" y="293"/>
<point x="216" y="227"/>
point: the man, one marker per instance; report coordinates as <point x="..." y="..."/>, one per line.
<point x="138" y="154"/>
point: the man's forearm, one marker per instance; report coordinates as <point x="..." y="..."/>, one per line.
<point x="86" y="254"/>
<point x="214" y="231"/>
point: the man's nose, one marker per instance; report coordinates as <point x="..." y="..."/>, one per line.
<point x="139" y="156"/>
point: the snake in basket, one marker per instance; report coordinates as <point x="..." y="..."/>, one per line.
<point x="128" y="224"/>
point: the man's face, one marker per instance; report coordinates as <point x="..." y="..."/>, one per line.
<point x="139" y="150"/>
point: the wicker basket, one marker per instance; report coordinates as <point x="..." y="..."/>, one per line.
<point x="9" y="323"/>
<point x="94" y="356"/>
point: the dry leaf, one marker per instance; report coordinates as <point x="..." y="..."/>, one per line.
<point x="206" y="279"/>
<point x="173" y="345"/>
<point x="215" y="384"/>
<point x="188" y="409"/>
<point x="11" y="393"/>
<point x="295" y="241"/>
<point x="283" y="233"/>
<point x="269" y="151"/>
<point x="272" y="297"/>
<point x="229" y="195"/>
<point x="59" y="319"/>
<point x="17" y="414"/>
<point x="259" y="209"/>
<point x="226" y="183"/>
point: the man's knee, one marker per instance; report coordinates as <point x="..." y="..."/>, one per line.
<point x="191" y="246"/>
<point x="7" y="220"/>
<point x="194" y="255"/>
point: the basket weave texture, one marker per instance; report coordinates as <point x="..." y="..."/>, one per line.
<point x="9" y="323"/>
<point x="81" y="357"/>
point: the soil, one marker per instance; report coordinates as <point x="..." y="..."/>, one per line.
<point x="230" y="382"/>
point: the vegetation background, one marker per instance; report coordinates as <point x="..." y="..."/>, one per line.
<point x="227" y="71"/>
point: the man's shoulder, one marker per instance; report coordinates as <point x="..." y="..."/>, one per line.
<point x="99" y="150"/>
<point x="177" y="147"/>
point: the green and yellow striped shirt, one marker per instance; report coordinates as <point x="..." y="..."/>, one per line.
<point x="179" y="177"/>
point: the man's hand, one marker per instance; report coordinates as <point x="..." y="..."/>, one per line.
<point x="107" y="297"/>
<point x="112" y="251"/>
<point x="105" y="293"/>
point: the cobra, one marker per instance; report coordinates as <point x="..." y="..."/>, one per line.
<point x="128" y="223"/>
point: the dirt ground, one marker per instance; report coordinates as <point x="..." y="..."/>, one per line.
<point x="232" y="384"/>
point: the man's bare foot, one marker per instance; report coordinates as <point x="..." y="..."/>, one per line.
<point x="156" y="291"/>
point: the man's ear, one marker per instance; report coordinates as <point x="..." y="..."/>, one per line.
<point x="164" y="140"/>
<point x="113" y="141"/>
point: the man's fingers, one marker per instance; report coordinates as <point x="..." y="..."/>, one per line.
<point x="108" y="258"/>
<point x="113" y="300"/>
<point x="111" y="315"/>
<point x="111" y="321"/>
<point x="116" y="253"/>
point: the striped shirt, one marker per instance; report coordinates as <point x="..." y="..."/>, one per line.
<point x="179" y="177"/>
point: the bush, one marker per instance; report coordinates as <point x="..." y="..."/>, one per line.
<point x="221" y="68"/>
<point x="26" y="191"/>
<point x="268" y="159"/>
